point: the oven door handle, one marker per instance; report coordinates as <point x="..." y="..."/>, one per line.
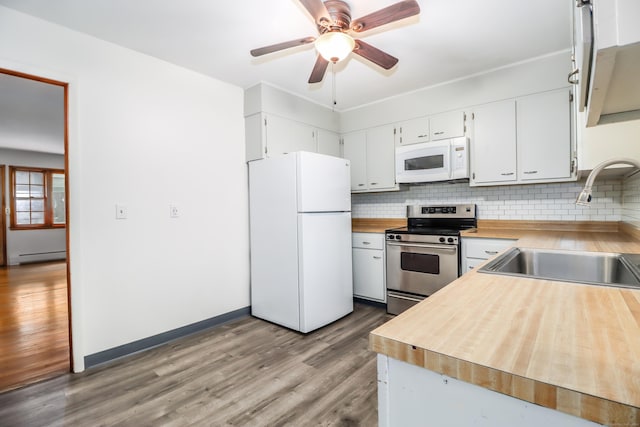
<point x="451" y="248"/>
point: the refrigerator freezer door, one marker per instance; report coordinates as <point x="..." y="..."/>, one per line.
<point x="325" y="278"/>
<point x="324" y="183"/>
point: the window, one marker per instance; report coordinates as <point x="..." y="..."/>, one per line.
<point x="37" y="198"/>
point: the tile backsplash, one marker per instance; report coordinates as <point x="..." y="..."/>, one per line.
<point x="524" y="202"/>
<point x="631" y="200"/>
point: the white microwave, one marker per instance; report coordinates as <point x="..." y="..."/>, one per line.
<point x="433" y="161"/>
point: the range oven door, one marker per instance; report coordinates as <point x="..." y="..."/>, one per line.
<point x="420" y="268"/>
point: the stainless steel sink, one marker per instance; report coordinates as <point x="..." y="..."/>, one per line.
<point x="598" y="268"/>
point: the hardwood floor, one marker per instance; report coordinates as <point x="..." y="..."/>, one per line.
<point x="34" y="332"/>
<point x="245" y="373"/>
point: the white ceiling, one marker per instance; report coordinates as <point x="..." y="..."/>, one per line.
<point x="31" y="115"/>
<point x="449" y="40"/>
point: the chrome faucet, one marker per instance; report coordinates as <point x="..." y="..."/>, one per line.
<point x="585" y="195"/>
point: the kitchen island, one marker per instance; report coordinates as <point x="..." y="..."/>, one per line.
<point x="503" y="342"/>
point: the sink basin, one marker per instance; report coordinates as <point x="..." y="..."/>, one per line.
<point x="597" y="268"/>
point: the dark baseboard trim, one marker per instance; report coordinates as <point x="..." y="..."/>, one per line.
<point x="369" y="302"/>
<point x="163" y="338"/>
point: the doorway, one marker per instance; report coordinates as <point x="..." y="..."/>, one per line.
<point x="35" y="333"/>
<point x="3" y="241"/>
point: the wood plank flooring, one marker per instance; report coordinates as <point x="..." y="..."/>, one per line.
<point x="34" y="332"/>
<point x="245" y="373"/>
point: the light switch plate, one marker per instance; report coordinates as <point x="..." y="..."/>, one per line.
<point x="121" y="212"/>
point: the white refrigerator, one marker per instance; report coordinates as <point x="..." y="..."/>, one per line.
<point x="300" y="225"/>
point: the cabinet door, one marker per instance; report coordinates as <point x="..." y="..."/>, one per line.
<point x="355" y="150"/>
<point x="544" y="135"/>
<point x="381" y="168"/>
<point x="493" y="146"/>
<point x="447" y="125"/>
<point x="413" y="131"/>
<point x="329" y="143"/>
<point x="368" y="274"/>
<point x="286" y="136"/>
<point x="254" y="137"/>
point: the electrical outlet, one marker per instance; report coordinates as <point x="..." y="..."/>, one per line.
<point x="174" y="212"/>
<point x="121" y="212"/>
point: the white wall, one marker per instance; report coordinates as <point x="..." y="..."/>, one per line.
<point x="143" y="133"/>
<point x="539" y="75"/>
<point x="20" y="243"/>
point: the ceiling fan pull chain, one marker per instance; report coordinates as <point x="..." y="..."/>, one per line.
<point x="333" y="84"/>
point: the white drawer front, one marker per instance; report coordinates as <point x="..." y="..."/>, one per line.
<point x="473" y="263"/>
<point x="367" y="240"/>
<point x="486" y="248"/>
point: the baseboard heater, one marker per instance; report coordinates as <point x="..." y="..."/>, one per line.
<point x="40" y="256"/>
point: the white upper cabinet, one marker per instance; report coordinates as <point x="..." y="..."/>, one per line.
<point x="268" y="135"/>
<point x="527" y="139"/>
<point x="329" y="143"/>
<point x="447" y="125"/>
<point x="372" y="156"/>
<point x="355" y="150"/>
<point x="286" y="136"/>
<point x="381" y="169"/>
<point x="413" y="131"/>
<point x="493" y="146"/>
<point x="544" y="135"/>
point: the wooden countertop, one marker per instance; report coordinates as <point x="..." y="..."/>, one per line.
<point x="570" y="347"/>
<point x="376" y="225"/>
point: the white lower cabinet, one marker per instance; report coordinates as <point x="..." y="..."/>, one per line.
<point x="476" y="251"/>
<point x="409" y="395"/>
<point x="369" y="266"/>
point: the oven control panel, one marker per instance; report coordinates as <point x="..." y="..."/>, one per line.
<point x="438" y="209"/>
<point x="422" y="238"/>
<point x="442" y="211"/>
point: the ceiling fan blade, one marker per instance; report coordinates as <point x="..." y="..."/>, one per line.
<point x="317" y="9"/>
<point x="395" y="12"/>
<point x="375" y="55"/>
<point x="281" y="46"/>
<point x="318" y="70"/>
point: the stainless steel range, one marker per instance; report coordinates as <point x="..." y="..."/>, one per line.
<point x="424" y="256"/>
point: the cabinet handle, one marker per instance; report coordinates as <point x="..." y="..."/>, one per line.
<point x="574" y="74"/>
<point x="366" y="243"/>
<point x="374" y="183"/>
<point x="530" y="172"/>
<point x="360" y="185"/>
<point x="507" y="174"/>
<point x="377" y="257"/>
<point x="438" y="133"/>
<point x="490" y="252"/>
<point x="422" y="136"/>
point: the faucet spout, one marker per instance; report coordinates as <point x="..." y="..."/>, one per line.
<point x="585" y="195"/>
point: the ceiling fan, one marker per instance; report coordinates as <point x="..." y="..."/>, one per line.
<point x="333" y="18"/>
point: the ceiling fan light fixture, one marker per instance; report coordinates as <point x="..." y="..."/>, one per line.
<point x="335" y="46"/>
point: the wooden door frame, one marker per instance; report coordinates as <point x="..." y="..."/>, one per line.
<point x="3" y="220"/>
<point x="65" y="87"/>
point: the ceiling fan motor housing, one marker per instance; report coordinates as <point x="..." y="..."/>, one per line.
<point x="340" y="14"/>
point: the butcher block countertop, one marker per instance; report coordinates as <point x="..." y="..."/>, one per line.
<point x="566" y="346"/>
<point x="376" y="225"/>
